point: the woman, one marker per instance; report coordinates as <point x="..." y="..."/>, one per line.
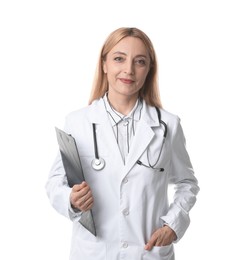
<point x="128" y="197"/>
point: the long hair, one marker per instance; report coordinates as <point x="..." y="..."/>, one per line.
<point x="150" y="91"/>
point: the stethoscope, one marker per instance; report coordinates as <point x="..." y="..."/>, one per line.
<point x="152" y="166"/>
<point x="98" y="163"/>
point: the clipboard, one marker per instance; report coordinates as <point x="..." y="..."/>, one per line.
<point x="74" y="171"/>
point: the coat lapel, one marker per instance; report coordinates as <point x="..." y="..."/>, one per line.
<point x="143" y="136"/>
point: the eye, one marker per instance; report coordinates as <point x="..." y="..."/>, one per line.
<point x="140" y="62"/>
<point x="118" y="59"/>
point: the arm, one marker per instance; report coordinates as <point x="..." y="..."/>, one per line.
<point x="69" y="202"/>
<point x="57" y="188"/>
<point x="186" y="188"/>
<point x="186" y="185"/>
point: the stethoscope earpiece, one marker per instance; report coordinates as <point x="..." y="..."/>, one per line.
<point x="150" y="166"/>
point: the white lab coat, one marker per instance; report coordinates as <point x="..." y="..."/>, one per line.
<point x="130" y="201"/>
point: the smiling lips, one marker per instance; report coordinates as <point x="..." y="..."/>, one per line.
<point x="126" y="81"/>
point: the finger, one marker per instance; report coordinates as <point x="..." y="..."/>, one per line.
<point x="160" y="239"/>
<point x="82" y="190"/>
<point x="87" y="204"/>
<point x="82" y="203"/>
<point x="76" y="187"/>
<point x="86" y="197"/>
<point x="165" y="236"/>
<point x="159" y="235"/>
<point x="77" y="198"/>
<point x="84" y="184"/>
<point x="80" y="195"/>
<point x="169" y="236"/>
<point x="151" y="242"/>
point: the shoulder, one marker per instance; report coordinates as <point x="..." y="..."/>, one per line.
<point x="172" y="121"/>
<point x="76" y="115"/>
<point x="151" y="115"/>
<point x="81" y="119"/>
<point x="168" y="116"/>
<point x="83" y="112"/>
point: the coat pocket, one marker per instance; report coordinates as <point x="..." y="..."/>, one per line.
<point x="88" y="250"/>
<point x="160" y="253"/>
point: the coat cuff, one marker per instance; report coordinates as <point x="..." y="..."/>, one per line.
<point x="178" y="220"/>
<point x="74" y="214"/>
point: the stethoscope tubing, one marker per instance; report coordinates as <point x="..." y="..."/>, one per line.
<point x="97" y="163"/>
<point x="95" y="142"/>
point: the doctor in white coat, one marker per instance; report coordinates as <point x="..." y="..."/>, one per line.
<point x="129" y="196"/>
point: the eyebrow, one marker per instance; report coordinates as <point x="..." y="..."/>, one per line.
<point x="123" y="53"/>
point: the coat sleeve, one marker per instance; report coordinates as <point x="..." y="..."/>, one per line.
<point x="58" y="190"/>
<point x="186" y="185"/>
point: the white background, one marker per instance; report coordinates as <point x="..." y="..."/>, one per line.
<point x="48" y="53"/>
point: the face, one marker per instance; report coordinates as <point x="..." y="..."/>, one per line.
<point x="126" y="66"/>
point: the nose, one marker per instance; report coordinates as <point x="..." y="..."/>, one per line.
<point x="129" y="68"/>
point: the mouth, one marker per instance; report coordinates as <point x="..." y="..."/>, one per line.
<point x="126" y="81"/>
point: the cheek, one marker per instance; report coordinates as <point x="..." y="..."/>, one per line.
<point x="111" y="75"/>
<point x="111" y="70"/>
<point x="142" y="78"/>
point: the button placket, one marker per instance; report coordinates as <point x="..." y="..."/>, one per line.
<point x="124" y="213"/>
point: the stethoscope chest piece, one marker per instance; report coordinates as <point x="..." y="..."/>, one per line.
<point x="98" y="164"/>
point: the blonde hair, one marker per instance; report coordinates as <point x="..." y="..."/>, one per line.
<point x="150" y="90"/>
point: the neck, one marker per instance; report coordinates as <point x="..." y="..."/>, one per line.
<point x="122" y="104"/>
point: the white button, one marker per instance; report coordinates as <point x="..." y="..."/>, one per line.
<point x="126" y="212"/>
<point x="124" y="244"/>
<point x="125" y="123"/>
<point x="125" y="180"/>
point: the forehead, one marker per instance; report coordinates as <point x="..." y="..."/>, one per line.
<point x="130" y="45"/>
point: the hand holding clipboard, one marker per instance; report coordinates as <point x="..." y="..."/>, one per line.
<point x="74" y="172"/>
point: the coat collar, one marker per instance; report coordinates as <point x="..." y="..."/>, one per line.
<point x="99" y="115"/>
<point x="115" y="117"/>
